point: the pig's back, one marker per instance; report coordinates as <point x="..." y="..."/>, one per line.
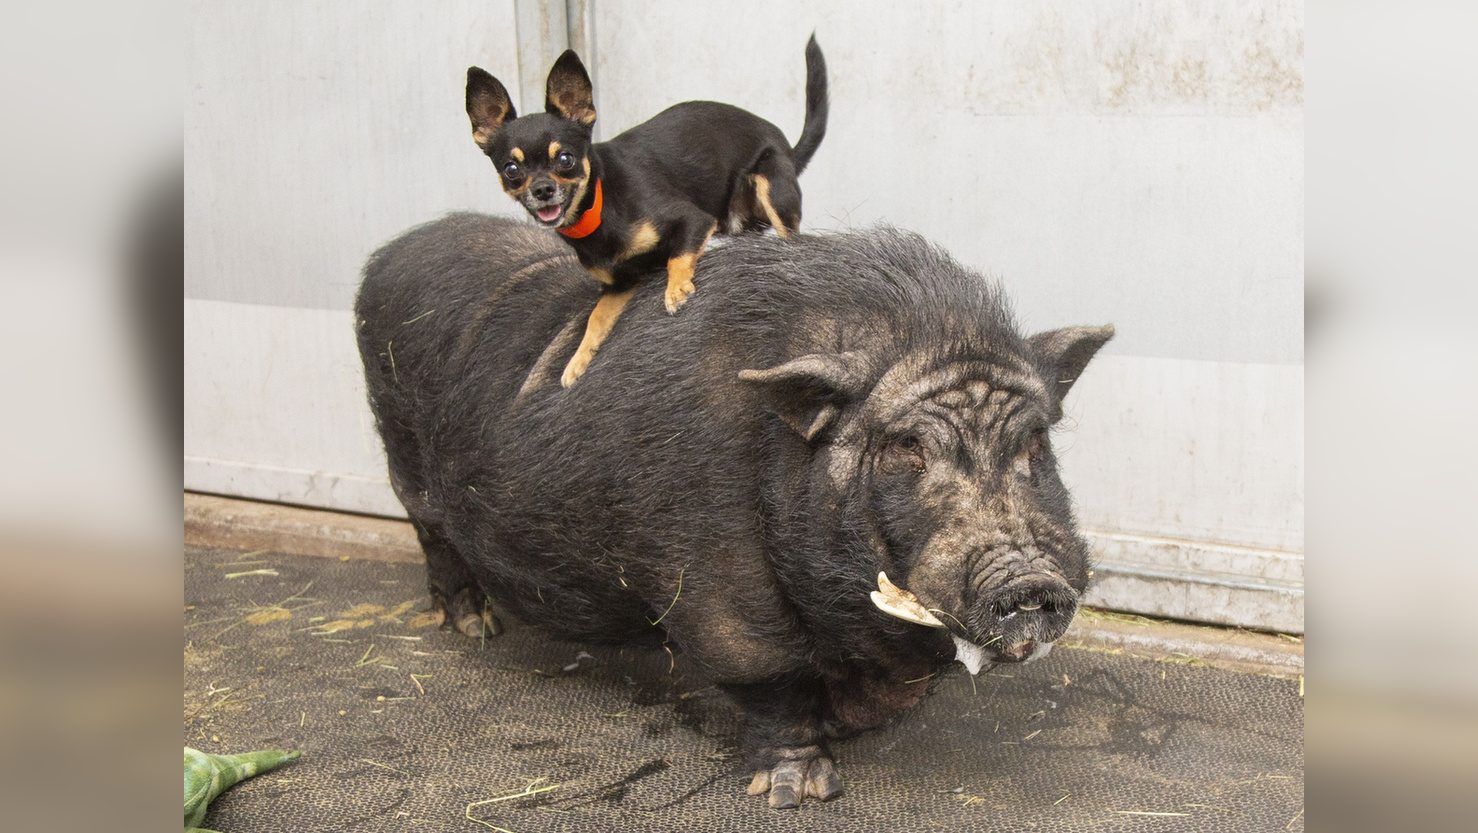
<point x="465" y="325"/>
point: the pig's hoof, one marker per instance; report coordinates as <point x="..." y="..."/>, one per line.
<point x="470" y="618"/>
<point x="677" y="295"/>
<point x="480" y="625"/>
<point x="791" y="782"/>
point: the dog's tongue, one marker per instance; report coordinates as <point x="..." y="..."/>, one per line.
<point x="548" y="213"/>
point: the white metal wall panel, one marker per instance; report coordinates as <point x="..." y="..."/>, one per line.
<point x="315" y="131"/>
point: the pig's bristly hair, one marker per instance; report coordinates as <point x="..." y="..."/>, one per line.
<point x="884" y="291"/>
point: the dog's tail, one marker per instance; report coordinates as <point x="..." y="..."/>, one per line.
<point x="817" y="106"/>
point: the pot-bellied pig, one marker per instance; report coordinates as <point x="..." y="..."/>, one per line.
<point x="827" y="480"/>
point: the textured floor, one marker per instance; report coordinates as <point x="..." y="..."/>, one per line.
<point x="403" y="726"/>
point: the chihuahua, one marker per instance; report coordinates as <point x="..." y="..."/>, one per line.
<point x="652" y="195"/>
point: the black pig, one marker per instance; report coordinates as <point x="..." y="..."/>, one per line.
<point x="738" y="479"/>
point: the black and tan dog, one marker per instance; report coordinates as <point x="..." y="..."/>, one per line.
<point x="653" y="194"/>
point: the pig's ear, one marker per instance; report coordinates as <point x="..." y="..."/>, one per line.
<point x="809" y="392"/>
<point x="1062" y="355"/>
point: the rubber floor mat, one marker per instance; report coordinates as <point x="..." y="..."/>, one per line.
<point x="405" y="727"/>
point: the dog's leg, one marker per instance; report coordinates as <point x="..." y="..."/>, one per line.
<point x="777" y="195"/>
<point x="688" y="243"/>
<point x="762" y="196"/>
<point x="602" y="319"/>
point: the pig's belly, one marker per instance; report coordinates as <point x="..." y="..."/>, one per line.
<point x="566" y="594"/>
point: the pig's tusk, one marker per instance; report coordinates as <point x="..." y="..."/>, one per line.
<point x="903" y="610"/>
<point x="895" y="601"/>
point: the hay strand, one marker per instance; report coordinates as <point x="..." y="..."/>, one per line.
<point x="244" y="573"/>
<point x="675" y="596"/>
<point x="531" y="789"/>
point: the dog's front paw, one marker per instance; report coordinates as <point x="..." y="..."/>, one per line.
<point x="677" y="295"/>
<point x="575" y="369"/>
<point x="801" y="774"/>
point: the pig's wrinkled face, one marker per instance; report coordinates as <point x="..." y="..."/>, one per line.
<point x="962" y="488"/>
<point x="946" y="466"/>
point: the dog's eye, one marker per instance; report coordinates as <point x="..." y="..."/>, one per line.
<point x="512" y="171"/>
<point x="564" y="161"/>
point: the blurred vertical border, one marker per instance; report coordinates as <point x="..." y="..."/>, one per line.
<point x="1392" y="225"/>
<point x="90" y="278"/>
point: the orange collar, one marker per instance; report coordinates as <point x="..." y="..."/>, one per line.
<point x="589" y="221"/>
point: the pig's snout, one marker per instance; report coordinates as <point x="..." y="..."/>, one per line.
<point x="1029" y="613"/>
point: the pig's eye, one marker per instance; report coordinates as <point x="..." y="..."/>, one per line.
<point x="1026" y="464"/>
<point x="906" y="452"/>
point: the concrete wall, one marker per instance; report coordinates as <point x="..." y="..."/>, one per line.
<point x="1139" y="163"/>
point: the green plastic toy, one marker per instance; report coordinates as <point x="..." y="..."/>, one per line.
<point x="207" y="776"/>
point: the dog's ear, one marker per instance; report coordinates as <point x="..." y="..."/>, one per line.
<point x="488" y="105"/>
<point x="567" y="93"/>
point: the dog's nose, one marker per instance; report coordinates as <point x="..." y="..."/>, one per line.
<point x="543" y="190"/>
